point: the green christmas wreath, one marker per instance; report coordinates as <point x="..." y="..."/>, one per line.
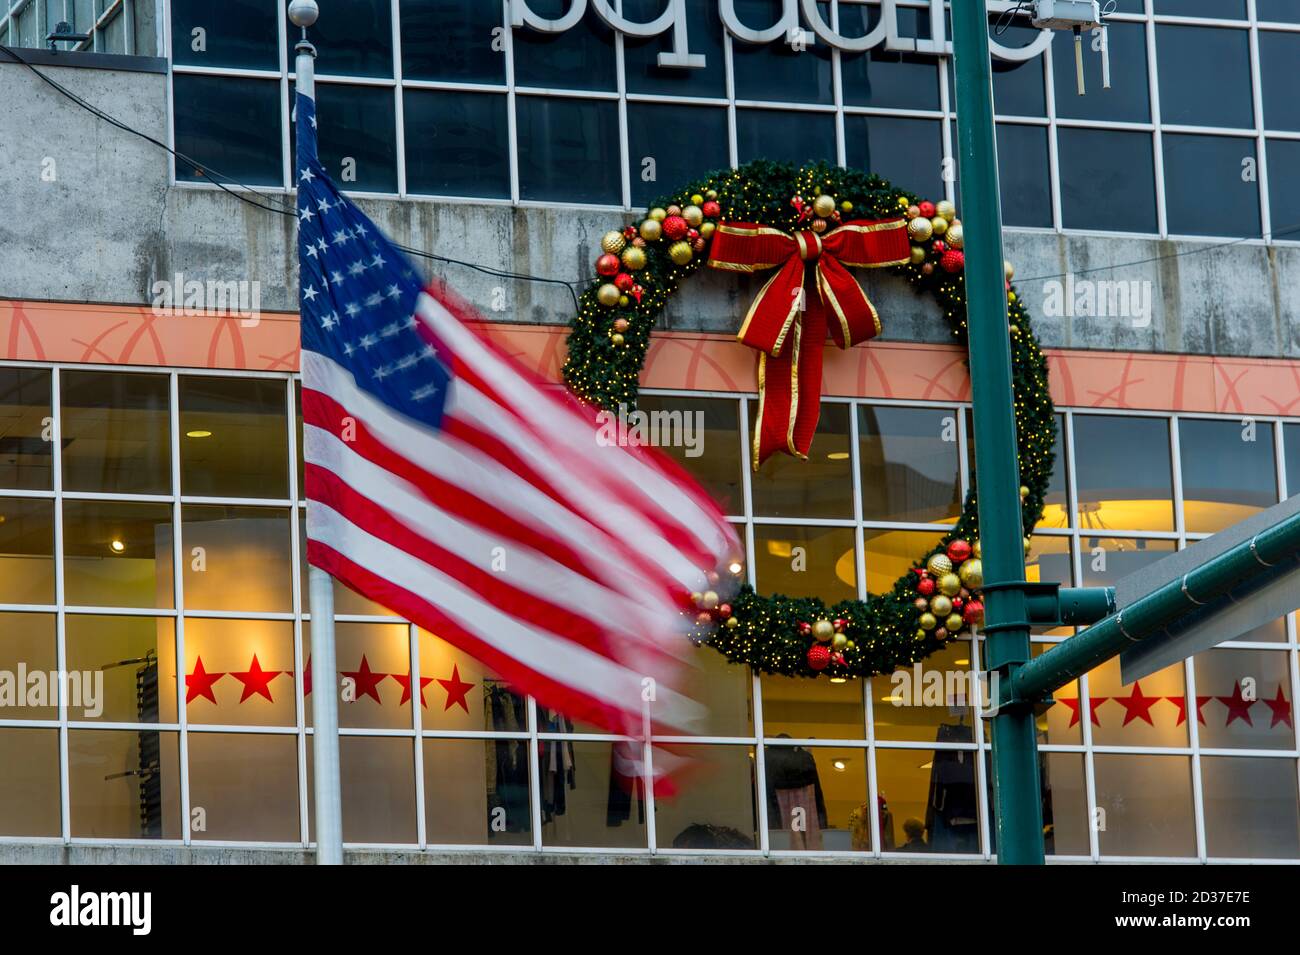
<point x="643" y="264"/>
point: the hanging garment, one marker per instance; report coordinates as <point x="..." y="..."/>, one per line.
<point x="952" y="815"/>
<point x="793" y="784"/>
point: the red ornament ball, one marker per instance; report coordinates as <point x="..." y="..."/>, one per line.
<point x="819" y="656"/>
<point x="624" y="282"/>
<point x="630" y="233"/>
<point x="724" y="610"/>
<point x="938" y="245"/>
<point x="959" y="551"/>
<point x="925" y="586"/>
<point x="711" y="209"/>
<point x="927" y="209"/>
<point x="675" y="228"/>
<point x="608" y="264"/>
<point x="973" y="612"/>
<point x="805" y="628"/>
<point x="953" y="261"/>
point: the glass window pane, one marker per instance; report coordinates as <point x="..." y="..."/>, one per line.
<point x="237" y="558"/>
<point x="891" y="554"/>
<point x="1065" y="804"/>
<point x="128" y="652"/>
<point x="1107" y="559"/>
<point x="590" y="796"/>
<point x="724" y="689"/>
<point x="1123" y="472"/>
<point x="229" y="124"/>
<point x="346" y="600"/>
<point x="704" y="438"/>
<point x="640" y="57"/>
<point x="28" y="642"/>
<point x="377" y="778"/>
<point x="453" y="40"/>
<point x="1244" y="699"/>
<point x="799" y="708"/>
<point x="476" y="792"/>
<point x="1277" y="11"/>
<point x="932" y="797"/>
<point x="883" y="78"/>
<point x="581" y="58"/>
<point x="1049" y="560"/>
<point x="1232" y="207"/>
<point x="1278" y="55"/>
<point x="1283" y="200"/>
<point x="821" y="486"/>
<point x="671" y="145"/>
<point x="924" y="703"/>
<point x="374" y="669"/>
<point x="117" y="554"/>
<point x="246" y="784"/>
<point x="785" y="136"/>
<point x="1148" y="712"/>
<point x="358" y="35"/>
<point x="1056" y="512"/>
<point x="357" y="136"/>
<point x="1018" y="87"/>
<point x="116" y="432"/>
<point x="907" y="152"/>
<point x="909" y="464"/>
<point x="29" y="786"/>
<point x="457" y="143"/>
<point x="566" y="150"/>
<point x="460" y="693"/>
<point x="775" y="71"/>
<point x="1024" y="171"/>
<point x="1210" y="9"/>
<point x="817" y="799"/>
<point x="1191" y="94"/>
<point x="1228" y="471"/>
<point x="1291" y="442"/>
<point x="1118" y="165"/>
<point x="717" y="810"/>
<point x="1063" y="721"/>
<point x="1250" y="807"/>
<point x="803" y="561"/>
<point x="27" y="551"/>
<point x="25" y="432"/>
<point x="234" y="439"/>
<point x="239" y="33"/>
<point x="1144" y="805"/>
<point x="124" y="784"/>
<point x="238" y="672"/>
<point x="1125" y="101"/>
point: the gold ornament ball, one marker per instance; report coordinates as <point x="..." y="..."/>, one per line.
<point x="732" y="623"/>
<point x="939" y="565"/>
<point x="823" y="630"/>
<point x="950" y="585"/>
<point x="954" y="623"/>
<point x="634" y="259"/>
<point x="658" y="214"/>
<point x="624" y="301"/>
<point x="613" y="242"/>
<point x="839" y="641"/>
<point x="849" y="645"/>
<point x="939" y="224"/>
<point x="920" y="635"/>
<point x="608" y="295"/>
<point x="1009" y="269"/>
<point x="696" y="597"/>
<point x="1028" y="546"/>
<point x="1024" y="492"/>
<point x="941" y="605"/>
<point x="674" y="210"/>
<point x="920" y="229"/>
<point x="956" y="235"/>
<point x="617" y="339"/>
<point x="707" y="230"/>
<point x="694" y="216"/>
<point x="971" y="573"/>
<point x="711" y="194"/>
<point x="946" y="209"/>
<point x="709" y="600"/>
<point x="819" y="225"/>
<point x="651" y="230"/>
<point x="824" y="206"/>
<point x="846" y="206"/>
<point x="977" y="550"/>
<point x="681" y="252"/>
<point x="1015" y="329"/>
<point x="697" y="199"/>
<point x="917" y="255"/>
<point x="928" y="621"/>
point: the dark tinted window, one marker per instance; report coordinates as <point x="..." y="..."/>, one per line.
<point x="1117" y="165"/>
<point x="1279" y="56"/>
<point x="1283" y="197"/>
<point x="784" y="136"/>
<point x="669" y="145"/>
<point x="239" y="33"/>
<point x="907" y="152"/>
<point x="568" y="150"/>
<point x="1229" y="471"/>
<point x="453" y="40"/>
<point x="1204" y="76"/>
<point x="457" y="144"/>
<point x="1127" y="98"/>
<point x="352" y="37"/>
<point x="776" y="71"/>
<point x="1123" y="473"/>
<point x="1019" y="88"/>
<point x="25" y="433"/>
<point x="229" y="125"/>
<point x="581" y="58"/>
<point x="1278" y="11"/>
<point x="1291" y="444"/>
<point x="641" y="57"/>
<point x="1024" y="175"/>
<point x="883" y="78"/>
<point x="1212" y="9"/>
<point x="356" y="136"/>
<point x="1210" y="185"/>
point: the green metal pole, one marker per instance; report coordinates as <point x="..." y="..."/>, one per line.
<point x="997" y="469"/>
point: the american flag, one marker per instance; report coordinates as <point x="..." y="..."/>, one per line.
<point x="458" y="489"/>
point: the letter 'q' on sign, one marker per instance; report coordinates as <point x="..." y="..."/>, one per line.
<point x="795" y="16"/>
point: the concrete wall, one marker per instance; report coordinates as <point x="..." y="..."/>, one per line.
<point x="110" y="225"/>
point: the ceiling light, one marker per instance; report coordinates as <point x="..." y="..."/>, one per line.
<point x="840" y="764"/>
<point x="839" y="679"/>
<point x="198" y="433"/>
<point x="735" y="567"/>
<point x="117" y="545"/>
<point x="838" y="456"/>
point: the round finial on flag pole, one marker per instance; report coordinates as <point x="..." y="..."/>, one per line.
<point x="303" y="13"/>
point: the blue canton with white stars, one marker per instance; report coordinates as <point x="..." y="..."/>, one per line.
<point x="357" y="293"/>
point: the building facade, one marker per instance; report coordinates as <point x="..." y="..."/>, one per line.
<point x="151" y="518"/>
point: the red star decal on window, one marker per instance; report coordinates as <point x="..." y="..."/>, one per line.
<point x="1072" y="702"/>
<point x="456" y="690"/>
<point x="366" y="681"/>
<point x="1136" y="706"/>
<point x="200" y="682"/>
<point x="1238" y="706"/>
<point x="1281" y="708"/>
<point x="1181" y="703"/>
<point x="255" y="680"/>
<point x="405" y="683"/>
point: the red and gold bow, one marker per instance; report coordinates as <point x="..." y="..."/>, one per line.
<point x="800" y="303"/>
